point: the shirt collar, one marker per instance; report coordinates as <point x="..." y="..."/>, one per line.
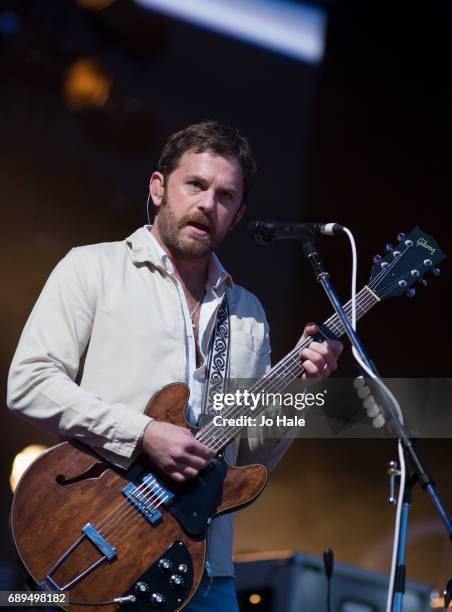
<point x="144" y="247"/>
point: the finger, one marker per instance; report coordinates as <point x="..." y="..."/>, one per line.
<point x="337" y="347"/>
<point x="330" y="361"/>
<point x="310" y="370"/>
<point x="313" y="356"/>
<point x="200" y="450"/>
<point x="330" y="352"/>
<point x="198" y="463"/>
<point x="319" y="347"/>
<point x="177" y="476"/>
<point x="334" y="352"/>
<point x="311" y="329"/>
<point x="189" y="472"/>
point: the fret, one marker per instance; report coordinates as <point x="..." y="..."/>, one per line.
<point x="365" y="299"/>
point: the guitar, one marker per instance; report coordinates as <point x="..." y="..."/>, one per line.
<point x="135" y="538"/>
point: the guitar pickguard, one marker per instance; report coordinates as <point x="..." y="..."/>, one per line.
<point x="197" y="500"/>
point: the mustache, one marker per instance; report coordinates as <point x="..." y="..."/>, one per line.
<point x="198" y="217"/>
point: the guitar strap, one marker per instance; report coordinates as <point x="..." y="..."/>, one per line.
<point x="217" y="369"/>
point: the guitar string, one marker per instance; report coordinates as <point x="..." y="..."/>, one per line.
<point x="131" y="512"/>
<point x="286" y="366"/>
<point x="288" y="371"/>
<point x="386" y="269"/>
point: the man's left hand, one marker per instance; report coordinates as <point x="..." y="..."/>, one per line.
<point x="320" y="359"/>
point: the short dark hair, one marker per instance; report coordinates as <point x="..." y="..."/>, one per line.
<point x="213" y="136"/>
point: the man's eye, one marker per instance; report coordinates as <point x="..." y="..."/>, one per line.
<point x="196" y="184"/>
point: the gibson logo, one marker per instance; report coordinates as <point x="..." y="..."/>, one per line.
<point x="423" y="243"/>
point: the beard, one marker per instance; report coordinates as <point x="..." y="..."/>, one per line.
<point x="180" y="245"/>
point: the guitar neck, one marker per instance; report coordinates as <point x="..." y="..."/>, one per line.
<point x="281" y="375"/>
<point x="365" y="299"/>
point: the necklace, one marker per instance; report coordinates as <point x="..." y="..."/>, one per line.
<point x="198" y="304"/>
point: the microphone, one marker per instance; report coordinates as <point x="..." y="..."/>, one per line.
<point x="265" y="232"/>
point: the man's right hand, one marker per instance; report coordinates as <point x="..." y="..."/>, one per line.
<point x="175" y="450"/>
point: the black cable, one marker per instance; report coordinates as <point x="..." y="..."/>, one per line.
<point x="328" y="564"/>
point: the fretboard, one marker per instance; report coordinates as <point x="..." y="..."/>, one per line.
<point x="282" y="374"/>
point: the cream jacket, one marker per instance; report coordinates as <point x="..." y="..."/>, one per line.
<point x="105" y="334"/>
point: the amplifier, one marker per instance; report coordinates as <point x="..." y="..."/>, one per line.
<point x="294" y="582"/>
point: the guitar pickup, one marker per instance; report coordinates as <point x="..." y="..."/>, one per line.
<point x="146" y="496"/>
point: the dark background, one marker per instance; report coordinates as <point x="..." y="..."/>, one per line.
<point x="362" y="139"/>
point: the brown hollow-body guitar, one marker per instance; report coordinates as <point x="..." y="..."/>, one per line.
<point x="69" y="487"/>
<point x="79" y="524"/>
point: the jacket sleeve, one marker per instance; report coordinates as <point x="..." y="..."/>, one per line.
<point x="264" y="444"/>
<point x="41" y="385"/>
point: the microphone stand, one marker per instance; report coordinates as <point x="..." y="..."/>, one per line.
<point x="416" y="471"/>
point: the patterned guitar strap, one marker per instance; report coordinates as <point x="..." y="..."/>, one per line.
<point x="217" y="370"/>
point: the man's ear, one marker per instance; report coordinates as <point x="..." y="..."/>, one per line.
<point x="238" y="215"/>
<point x="157" y="188"/>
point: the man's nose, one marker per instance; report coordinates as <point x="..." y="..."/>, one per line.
<point x="208" y="201"/>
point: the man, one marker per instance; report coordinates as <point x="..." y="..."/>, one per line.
<point x="117" y="321"/>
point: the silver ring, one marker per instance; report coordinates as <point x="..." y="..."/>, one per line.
<point x="324" y="367"/>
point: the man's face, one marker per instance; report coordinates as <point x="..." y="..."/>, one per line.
<point x="201" y="200"/>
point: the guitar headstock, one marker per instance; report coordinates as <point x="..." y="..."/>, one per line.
<point x="405" y="264"/>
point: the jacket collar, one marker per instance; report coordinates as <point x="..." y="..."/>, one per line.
<point x="144" y="248"/>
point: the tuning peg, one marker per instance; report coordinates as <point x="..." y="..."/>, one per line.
<point x="401" y="236"/>
<point x="411" y="292"/>
<point x="436" y="271"/>
<point x="377" y="259"/>
<point x="423" y="282"/>
<point x="389" y="248"/>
